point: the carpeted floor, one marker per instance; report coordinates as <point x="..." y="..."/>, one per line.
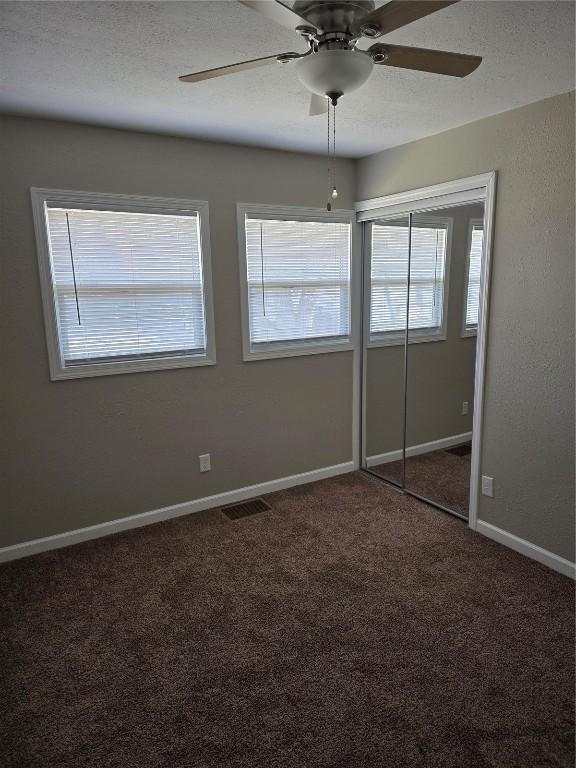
<point x="348" y="627"/>
<point x="441" y="476"/>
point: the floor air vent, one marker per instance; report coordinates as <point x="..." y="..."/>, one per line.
<point x="245" y="508"/>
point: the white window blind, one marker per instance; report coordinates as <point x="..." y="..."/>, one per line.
<point x="389" y="276"/>
<point x="127" y="286"/>
<point x="298" y="281"/>
<point x="474" y="268"/>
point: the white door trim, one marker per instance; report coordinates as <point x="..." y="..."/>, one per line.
<point x="445" y="195"/>
<point x="481" y="345"/>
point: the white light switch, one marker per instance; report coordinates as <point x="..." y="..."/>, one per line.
<point x="464" y="407"/>
<point x="204" y="460"/>
<point x="487" y="485"/>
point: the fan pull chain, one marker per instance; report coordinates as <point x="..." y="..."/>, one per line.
<point x="328" y="204"/>
<point x="262" y="270"/>
<point x="435" y="271"/>
<point x="73" y="269"/>
<point x="331" y="156"/>
<point x="334" y="190"/>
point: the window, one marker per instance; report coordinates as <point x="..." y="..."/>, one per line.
<point x="473" y="270"/>
<point x="429" y="245"/>
<point x="126" y="282"/>
<point x="295" y="265"/>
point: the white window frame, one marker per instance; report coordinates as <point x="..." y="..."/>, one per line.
<point x="41" y="198"/>
<point x="466" y="330"/>
<point x="418" y="335"/>
<point x="299" y="346"/>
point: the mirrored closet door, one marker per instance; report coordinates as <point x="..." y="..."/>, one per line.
<point x="387" y="246"/>
<point x="421" y="301"/>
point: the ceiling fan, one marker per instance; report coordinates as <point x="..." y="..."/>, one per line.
<point x="333" y="65"/>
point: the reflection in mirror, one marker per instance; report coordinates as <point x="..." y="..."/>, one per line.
<point x="443" y="310"/>
<point x="387" y="242"/>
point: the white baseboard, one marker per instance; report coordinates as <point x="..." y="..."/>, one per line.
<point x="526" y="548"/>
<point x="166" y="513"/>
<point x="68" y="538"/>
<point x="418" y="450"/>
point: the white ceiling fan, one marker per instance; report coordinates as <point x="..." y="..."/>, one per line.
<point x="333" y="65"/>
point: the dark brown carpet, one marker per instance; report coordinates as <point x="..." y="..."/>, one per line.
<point x="441" y="476"/>
<point x="348" y="627"/>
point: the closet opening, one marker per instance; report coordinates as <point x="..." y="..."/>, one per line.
<point x="424" y="320"/>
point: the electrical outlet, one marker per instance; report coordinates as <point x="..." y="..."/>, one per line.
<point x="205" y="465"/>
<point x="487" y="485"/>
<point x="464" y="407"/>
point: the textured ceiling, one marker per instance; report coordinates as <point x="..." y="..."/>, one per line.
<point x="118" y="64"/>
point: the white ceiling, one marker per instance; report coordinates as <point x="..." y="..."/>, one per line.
<point x="118" y="63"/>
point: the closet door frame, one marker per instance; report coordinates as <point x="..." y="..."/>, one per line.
<point x="474" y="189"/>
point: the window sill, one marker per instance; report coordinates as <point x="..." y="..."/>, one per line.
<point x="129" y="366"/>
<point x="296" y="350"/>
<point x="467" y="332"/>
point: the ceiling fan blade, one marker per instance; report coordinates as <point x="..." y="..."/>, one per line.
<point x="424" y="60"/>
<point x="279" y="12"/>
<point x="229" y="69"/>
<point x="398" y="13"/>
<point x="318" y="105"/>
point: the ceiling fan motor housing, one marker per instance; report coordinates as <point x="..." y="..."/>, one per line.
<point x="331" y="72"/>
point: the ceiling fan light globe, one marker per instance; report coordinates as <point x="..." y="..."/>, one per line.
<point x="334" y="71"/>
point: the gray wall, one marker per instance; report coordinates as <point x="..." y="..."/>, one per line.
<point x="440" y="373"/>
<point x="528" y="444"/>
<point x="84" y="451"/>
